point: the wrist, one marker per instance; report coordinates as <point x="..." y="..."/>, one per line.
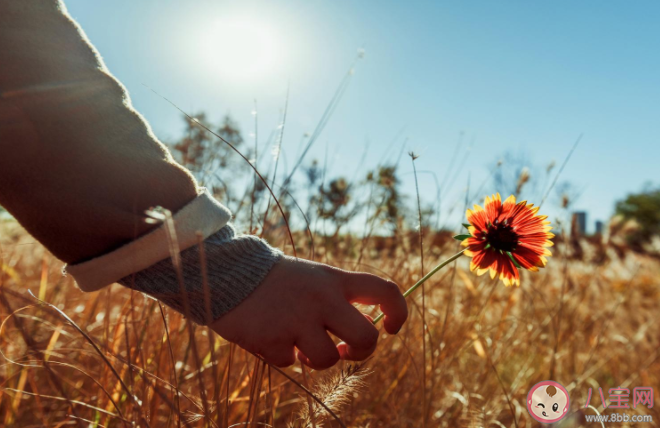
<point x="232" y="268"/>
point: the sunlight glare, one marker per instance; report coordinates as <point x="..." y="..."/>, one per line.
<point x="240" y="49"/>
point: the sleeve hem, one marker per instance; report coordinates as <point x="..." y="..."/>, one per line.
<point x="202" y="216"/>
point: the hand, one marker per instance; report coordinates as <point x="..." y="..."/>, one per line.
<point x="299" y="302"/>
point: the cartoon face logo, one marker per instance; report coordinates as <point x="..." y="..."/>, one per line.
<point x="548" y="402"/>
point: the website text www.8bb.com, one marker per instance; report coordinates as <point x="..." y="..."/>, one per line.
<point x="618" y="417"/>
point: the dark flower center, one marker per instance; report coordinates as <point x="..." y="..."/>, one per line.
<point x="502" y="237"/>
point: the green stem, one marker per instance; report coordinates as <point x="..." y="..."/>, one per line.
<point x="424" y="279"/>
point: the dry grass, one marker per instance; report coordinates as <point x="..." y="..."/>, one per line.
<point x="582" y="323"/>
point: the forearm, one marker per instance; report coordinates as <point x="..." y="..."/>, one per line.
<point x="78" y="166"/>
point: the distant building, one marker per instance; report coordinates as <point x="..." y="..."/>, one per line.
<point x="600" y="227"/>
<point x="579" y="223"/>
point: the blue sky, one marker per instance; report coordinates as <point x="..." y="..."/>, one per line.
<point x="526" y="77"/>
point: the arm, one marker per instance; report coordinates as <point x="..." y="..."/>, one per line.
<point x="71" y="141"/>
<point x="78" y="168"/>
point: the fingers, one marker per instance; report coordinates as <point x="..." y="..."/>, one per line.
<point x="280" y="356"/>
<point x="317" y="350"/>
<point x="360" y="336"/>
<point x="372" y="290"/>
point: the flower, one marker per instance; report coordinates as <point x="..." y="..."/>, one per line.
<point x="507" y="236"/>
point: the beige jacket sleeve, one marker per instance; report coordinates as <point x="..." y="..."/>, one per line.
<point x="78" y="165"/>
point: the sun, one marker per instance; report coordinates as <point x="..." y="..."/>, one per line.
<point x="240" y="49"/>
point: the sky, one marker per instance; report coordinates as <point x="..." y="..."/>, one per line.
<point x="519" y="77"/>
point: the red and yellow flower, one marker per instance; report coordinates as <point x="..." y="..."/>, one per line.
<point x="507" y="236"/>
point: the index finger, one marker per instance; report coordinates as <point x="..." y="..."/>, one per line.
<point x="372" y="290"/>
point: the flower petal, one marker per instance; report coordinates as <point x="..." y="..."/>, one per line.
<point x="493" y="207"/>
<point x="477" y="217"/>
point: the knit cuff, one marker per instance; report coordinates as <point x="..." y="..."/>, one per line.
<point x="235" y="266"/>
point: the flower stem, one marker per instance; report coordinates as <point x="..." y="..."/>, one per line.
<point x="425" y="278"/>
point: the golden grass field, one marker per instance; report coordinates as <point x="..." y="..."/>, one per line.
<point x="589" y="320"/>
